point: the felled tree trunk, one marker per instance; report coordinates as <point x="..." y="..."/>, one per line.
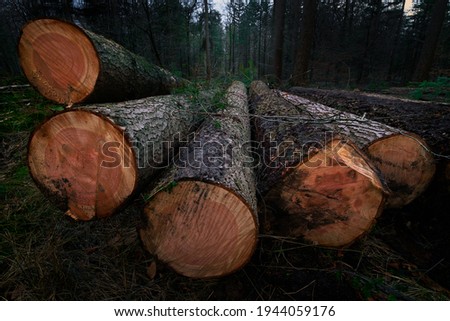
<point x="429" y="120"/>
<point x="90" y="160"/>
<point x="327" y="189"/>
<point x="201" y="218"/>
<point x="403" y="158"/>
<point x="69" y="65"/>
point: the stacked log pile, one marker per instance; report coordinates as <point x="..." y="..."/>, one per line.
<point x="327" y="174"/>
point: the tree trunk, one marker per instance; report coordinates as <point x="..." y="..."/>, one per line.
<point x="427" y="119"/>
<point x="207" y="42"/>
<point x="301" y="72"/>
<point x="279" y="9"/>
<point x="371" y="37"/>
<point x="402" y="158"/>
<point x="150" y="34"/>
<point x="69" y="65"/>
<point x="201" y="217"/>
<point x="90" y="160"/>
<point x="425" y="63"/>
<point x="329" y="191"/>
<point x="394" y="49"/>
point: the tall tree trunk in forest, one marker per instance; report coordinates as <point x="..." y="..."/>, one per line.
<point x="372" y="32"/>
<point x="301" y="73"/>
<point x="279" y="8"/>
<point x="232" y="35"/>
<point x="207" y="44"/>
<point x="396" y="40"/>
<point x="189" y="12"/>
<point x="345" y="21"/>
<point x="260" y="34"/>
<point x="352" y="16"/>
<point x="149" y="32"/>
<point x="425" y="63"/>
<point x="266" y="19"/>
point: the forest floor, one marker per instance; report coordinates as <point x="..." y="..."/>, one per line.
<point x="45" y="255"/>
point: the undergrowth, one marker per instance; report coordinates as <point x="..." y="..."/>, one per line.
<point x="433" y="90"/>
<point x="45" y="255"/>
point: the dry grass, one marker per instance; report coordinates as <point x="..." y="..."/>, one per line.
<point x="47" y="256"/>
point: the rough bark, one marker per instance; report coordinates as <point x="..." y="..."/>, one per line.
<point x="69" y="65"/>
<point x="425" y="63"/>
<point x="279" y="9"/>
<point x="90" y="160"/>
<point x="207" y="41"/>
<point x="301" y="72"/>
<point x="327" y="189"/>
<point x="402" y="157"/>
<point x="201" y="218"/>
<point x="430" y="121"/>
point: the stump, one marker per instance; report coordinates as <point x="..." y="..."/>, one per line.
<point x="403" y="158"/>
<point x="69" y="65"/>
<point x="322" y="186"/>
<point x="201" y="218"/>
<point x="89" y="161"/>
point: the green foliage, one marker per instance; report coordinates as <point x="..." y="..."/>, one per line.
<point x="433" y="90"/>
<point x="248" y="74"/>
<point x="22" y="110"/>
<point x="218" y="101"/>
<point x="169" y="187"/>
<point x="192" y="90"/>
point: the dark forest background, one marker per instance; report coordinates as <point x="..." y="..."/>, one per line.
<point x="339" y="43"/>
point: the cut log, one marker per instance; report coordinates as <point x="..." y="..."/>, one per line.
<point x="403" y="158"/>
<point x="69" y="65"/>
<point x="90" y="160"/>
<point x="201" y="218"/>
<point x="328" y="190"/>
<point x="429" y="120"/>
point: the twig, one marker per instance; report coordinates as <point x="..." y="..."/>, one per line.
<point x="11" y="87"/>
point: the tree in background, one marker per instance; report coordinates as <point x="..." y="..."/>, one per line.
<point x="207" y="41"/>
<point x="434" y="28"/>
<point x="279" y="9"/>
<point x="349" y="42"/>
<point x="301" y="71"/>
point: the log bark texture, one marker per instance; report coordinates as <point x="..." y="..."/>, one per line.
<point x="201" y="218"/>
<point x="90" y="160"/>
<point x="429" y="120"/>
<point x="329" y="192"/>
<point x="403" y="158"/>
<point x="70" y="65"/>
